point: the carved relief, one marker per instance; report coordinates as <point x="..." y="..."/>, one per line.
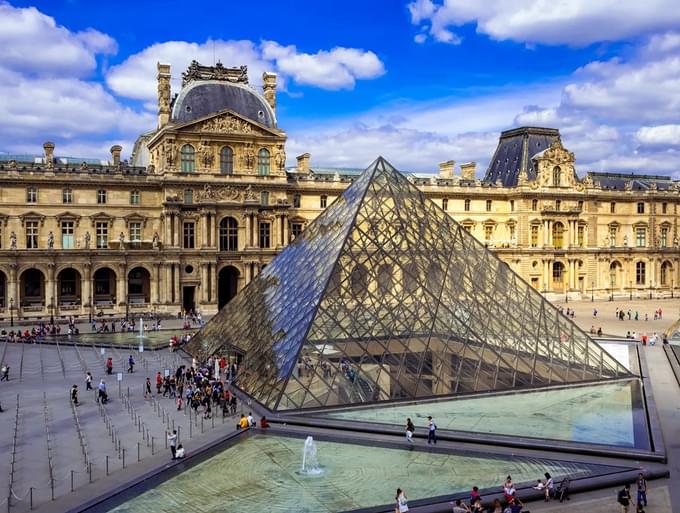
<point x="280" y="157"/>
<point x="249" y="194"/>
<point x="211" y="194"/>
<point x="205" y="153"/>
<point x="248" y="156"/>
<point x="230" y="124"/>
<point x="196" y="71"/>
<point x="170" y="152"/>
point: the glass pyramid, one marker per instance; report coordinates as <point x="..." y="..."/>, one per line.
<point x="384" y="297"/>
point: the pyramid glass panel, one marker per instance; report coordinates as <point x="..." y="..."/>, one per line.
<point x="385" y="297"/>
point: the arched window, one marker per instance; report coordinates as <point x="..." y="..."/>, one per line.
<point x="227" y="161"/>
<point x="188" y="158"/>
<point x="614" y="269"/>
<point x="640" y="273"/>
<point x="228" y="234"/>
<point x="263" y="159"/>
<point x="359" y="281"/>
<point x="558" y="272"/>
<point x="558" y="235"/>
<point x="557" y="176"/>
<point x="385" y="282"/>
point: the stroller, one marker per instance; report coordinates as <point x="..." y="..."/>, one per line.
<point x="562" y="491"/>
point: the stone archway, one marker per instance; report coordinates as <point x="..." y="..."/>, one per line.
<point x="139" y="286"/>
<point x="558" y="277"/>
<point x="32" y="288"/>
<point x="68" y="287"/>
<point x="227" y="285"/>
<point x="104" y="292"/>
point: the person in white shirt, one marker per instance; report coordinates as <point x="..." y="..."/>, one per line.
<point x="549" y="486"/>
<point x="251" y="420"/>
<point x="179" y="454"/>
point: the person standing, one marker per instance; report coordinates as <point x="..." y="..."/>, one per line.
<point x="159" y="382"/>
<point x="109" y="366"/>
<point x="431" y="431"/>
<point x="131" y="364"/>
<point x="410" y="429"/>
<point x="641" y="490"/>
<point x="624" y="499"/>
<point x="5" y="372"/>
<point x="172" y="441"/>
<point x="74" y="394"/>
<point x="147" y="387"/>
<point x="402" y="501"/>
<point x="88" y="381"/>
<point x="103" y="396"/>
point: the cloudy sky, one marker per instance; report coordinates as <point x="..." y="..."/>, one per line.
<point x="418" y="82"/>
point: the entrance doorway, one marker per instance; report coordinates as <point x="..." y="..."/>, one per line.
<point x="188" y="303"/>
<point x="227" y="285"/>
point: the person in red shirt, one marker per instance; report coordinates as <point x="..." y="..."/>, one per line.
<point x="159" y="382"/>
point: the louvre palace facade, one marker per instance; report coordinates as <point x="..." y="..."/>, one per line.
<point x="206" y="201"/>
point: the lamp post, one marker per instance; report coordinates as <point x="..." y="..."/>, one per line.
<point x="127" y="307"/>
<point x="52" y="310"/>
<point x="671" y="288"/>
<point x="11" y="312"/>
<point x="631" y="289"/>
<point x="592" y="291"/>
<point x="650" y="290"/>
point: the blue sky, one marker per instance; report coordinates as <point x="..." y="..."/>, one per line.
<point x="418" y="82"/>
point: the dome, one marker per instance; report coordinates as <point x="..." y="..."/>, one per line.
<point x="204" y="97"/>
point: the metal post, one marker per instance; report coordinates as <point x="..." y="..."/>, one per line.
<point x="179" y="432"/>
<point x="153" y="438"/>
<point x="30" y="493"/>
<point x="138" y="459"/>
<point x="107" y="464"/>
<point x="213" y="420"/>
<point x="202" y="424"/>
<point x="123" y="458"/>
<point x="89" y="470"/>
<point x="190" y="431"/>
<point x="52" y="487"/>
<point x="71" y="480"/>
<point x="592" y="292"/>
<point x="631" y="290"/>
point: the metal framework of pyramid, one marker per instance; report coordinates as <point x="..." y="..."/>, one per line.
<point x="384" y="297"/>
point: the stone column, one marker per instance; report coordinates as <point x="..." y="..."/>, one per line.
<point x="50" y="296"/>
<point x="176" y="284"/>
<point x="168" y="284"/>
<point x="12" y="290"/>
<point x="167" y="240"/>
<point x="213" y="283"/>
<point x="248" y="269"/>
<point x="204" y="283"/>
<point x="248" y="236"/>
<point x="284" y="219"/>
<point x="155" y="278"/>
<point x="121" y="288"/>
<point x="545" y="232"/>
<point x="86" y="288"/>
<point x="546" y="274"/>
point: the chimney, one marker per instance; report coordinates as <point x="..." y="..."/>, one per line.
<point x="303" y="163"/>
<point x="163" y="93"/>
<point x="49" y="152"/>
<point x="115" y="154"/>
<point x="269" y="88"/>
<point x="446" y="169"/>
<point x="467" y="171"/>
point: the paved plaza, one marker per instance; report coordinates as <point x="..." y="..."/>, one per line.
<point x="58" y="448"/>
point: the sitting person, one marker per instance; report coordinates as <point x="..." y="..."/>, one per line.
<point x="243" y="423"/>
<point x="179" y="453"/>
<point x="264" y="423"/>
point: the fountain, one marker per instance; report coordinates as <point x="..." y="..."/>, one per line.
<point x="310" y="464"/>
<point x="141" y="327"/>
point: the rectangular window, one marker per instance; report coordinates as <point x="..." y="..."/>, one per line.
<point x="467" y="205"/>
<point x="31" y="195"/>
<point x="323" y="201"/>
<point x="580" y="205"/>
<point x="534" y="235"/>
<point x="102" y="235"/>
<point x="101" y="196"/>
<point x="664" y="208"/>
<point x="641" y="237"/>
<point x="511" y="229"/>
<point x="265" y="235"/>
<point x="67" y="235"/>
<point x="512" y="205"/>
<point x="188" y="196"/>
<point x="534" y="205"/>
<point x="296" y="229"/>
<point x="135" y="232"/>
<point x="558" y="204"/>
<point x="264" y="198"/>
<point x="31" y="234"/>
<point x="189" y="232"/>
<point x="488" y="205"/>
<point x="612" y="236"/>
<point x="612" y="208"/>
<point x="445" y="204"/>
<point x="663" y="239"/>
<point x="580" y="236"/>
<point x="134" y="198"/>
<point x="67" y="196"/>
<point x="640" y="208"/>
<point x="468" y="228"/>
<point x="488" y="232"/>
<point x="640" y="273"/>
<point x="296" y="200"/>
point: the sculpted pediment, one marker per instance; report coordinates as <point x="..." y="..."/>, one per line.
<point x="227" y="122"/>
<point x="217" y="194"/>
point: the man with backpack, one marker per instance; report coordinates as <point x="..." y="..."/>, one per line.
<point x="431" y="431"/>
<point x="624" y="499"/>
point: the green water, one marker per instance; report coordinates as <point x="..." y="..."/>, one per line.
<point x="598" y="414"/>
<point x="261" y="474"/>
<point x="151" y="338"/>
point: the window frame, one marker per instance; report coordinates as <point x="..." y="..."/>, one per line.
<point x="640" y="207"/>
<point x="187" y="158"/>
<point x="32" y="234"/>
<point x="188" y="235"/>
<point x="489" y="204"/>
<point x="101" y="196"/>
<point x="68" y="231"/>
<point x="227" y="161"/>
<point x="101" y="234"/>
<point x="67" y="196"/>
<point x="263" y="162"/>
<point x="31" y="194"/>
<point x="640" y="273"/>
<point x="264" y="232"/>
<point x="135" y="197"/>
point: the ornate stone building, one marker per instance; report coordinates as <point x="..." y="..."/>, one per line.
<point x="207" y="201"/>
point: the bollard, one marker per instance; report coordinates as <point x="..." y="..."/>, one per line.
<point x="71" y="480"/>
<point x="30" y="492"/>
<point x="213" y="420"/>
<point x="166" y="442"/>
<point x="152" y="440"/>
<point x="138" y="458"/>
<point x="190" y="431"/>
<point x="123" y="458"/>
<point x="89" y="470"/>
<point x="107" y="464"/>
<point x="202" y="424"/>
<point x="52" y="487"/>
<point x="179" y="432"/>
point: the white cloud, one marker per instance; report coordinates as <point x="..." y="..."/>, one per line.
<point x="571" y="22"/>
<point x="664" y="135"/>
<point x="338" y="68"/>
<point x="33" y="43"/>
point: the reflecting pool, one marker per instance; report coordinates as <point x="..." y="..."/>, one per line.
<point x="262" y="474"/>
<point x="607" y="414"/>
<point x="126" y="338"/>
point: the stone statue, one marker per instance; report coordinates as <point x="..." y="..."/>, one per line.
<point x="87" y="240"/>
<point x="50" y="240"/>
<point x="625" y="240"/>
<point x="13" y="241"/>
<point x="121" y="240"/>
<point x="206" y="154"/>
<point x="155" y="241"/>
<point x="169" y="150"/>
<point x="280" y="157"/>
<point x="249" y="194"/>
<point x="675" y="241"/>
<point x="249" y="156"/>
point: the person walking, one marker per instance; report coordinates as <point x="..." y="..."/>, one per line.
<point x="74" y="394"/>
<point x="410" y="429"/>
<point x="402" y="501"/>
<point x="88" y="381"/>
<point x="431" y="431"/>
<point x="103" y="396"/>
<point x="131" y="364"/>
<point x="624" y="499"/>
<point x="172" y="441"/>
<point x="641" y="490"/>
<point x="109" y="366"/>
<point x="159" y="382"/>
<point x="147" y="388"/>
<point x="5" y="372"/>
